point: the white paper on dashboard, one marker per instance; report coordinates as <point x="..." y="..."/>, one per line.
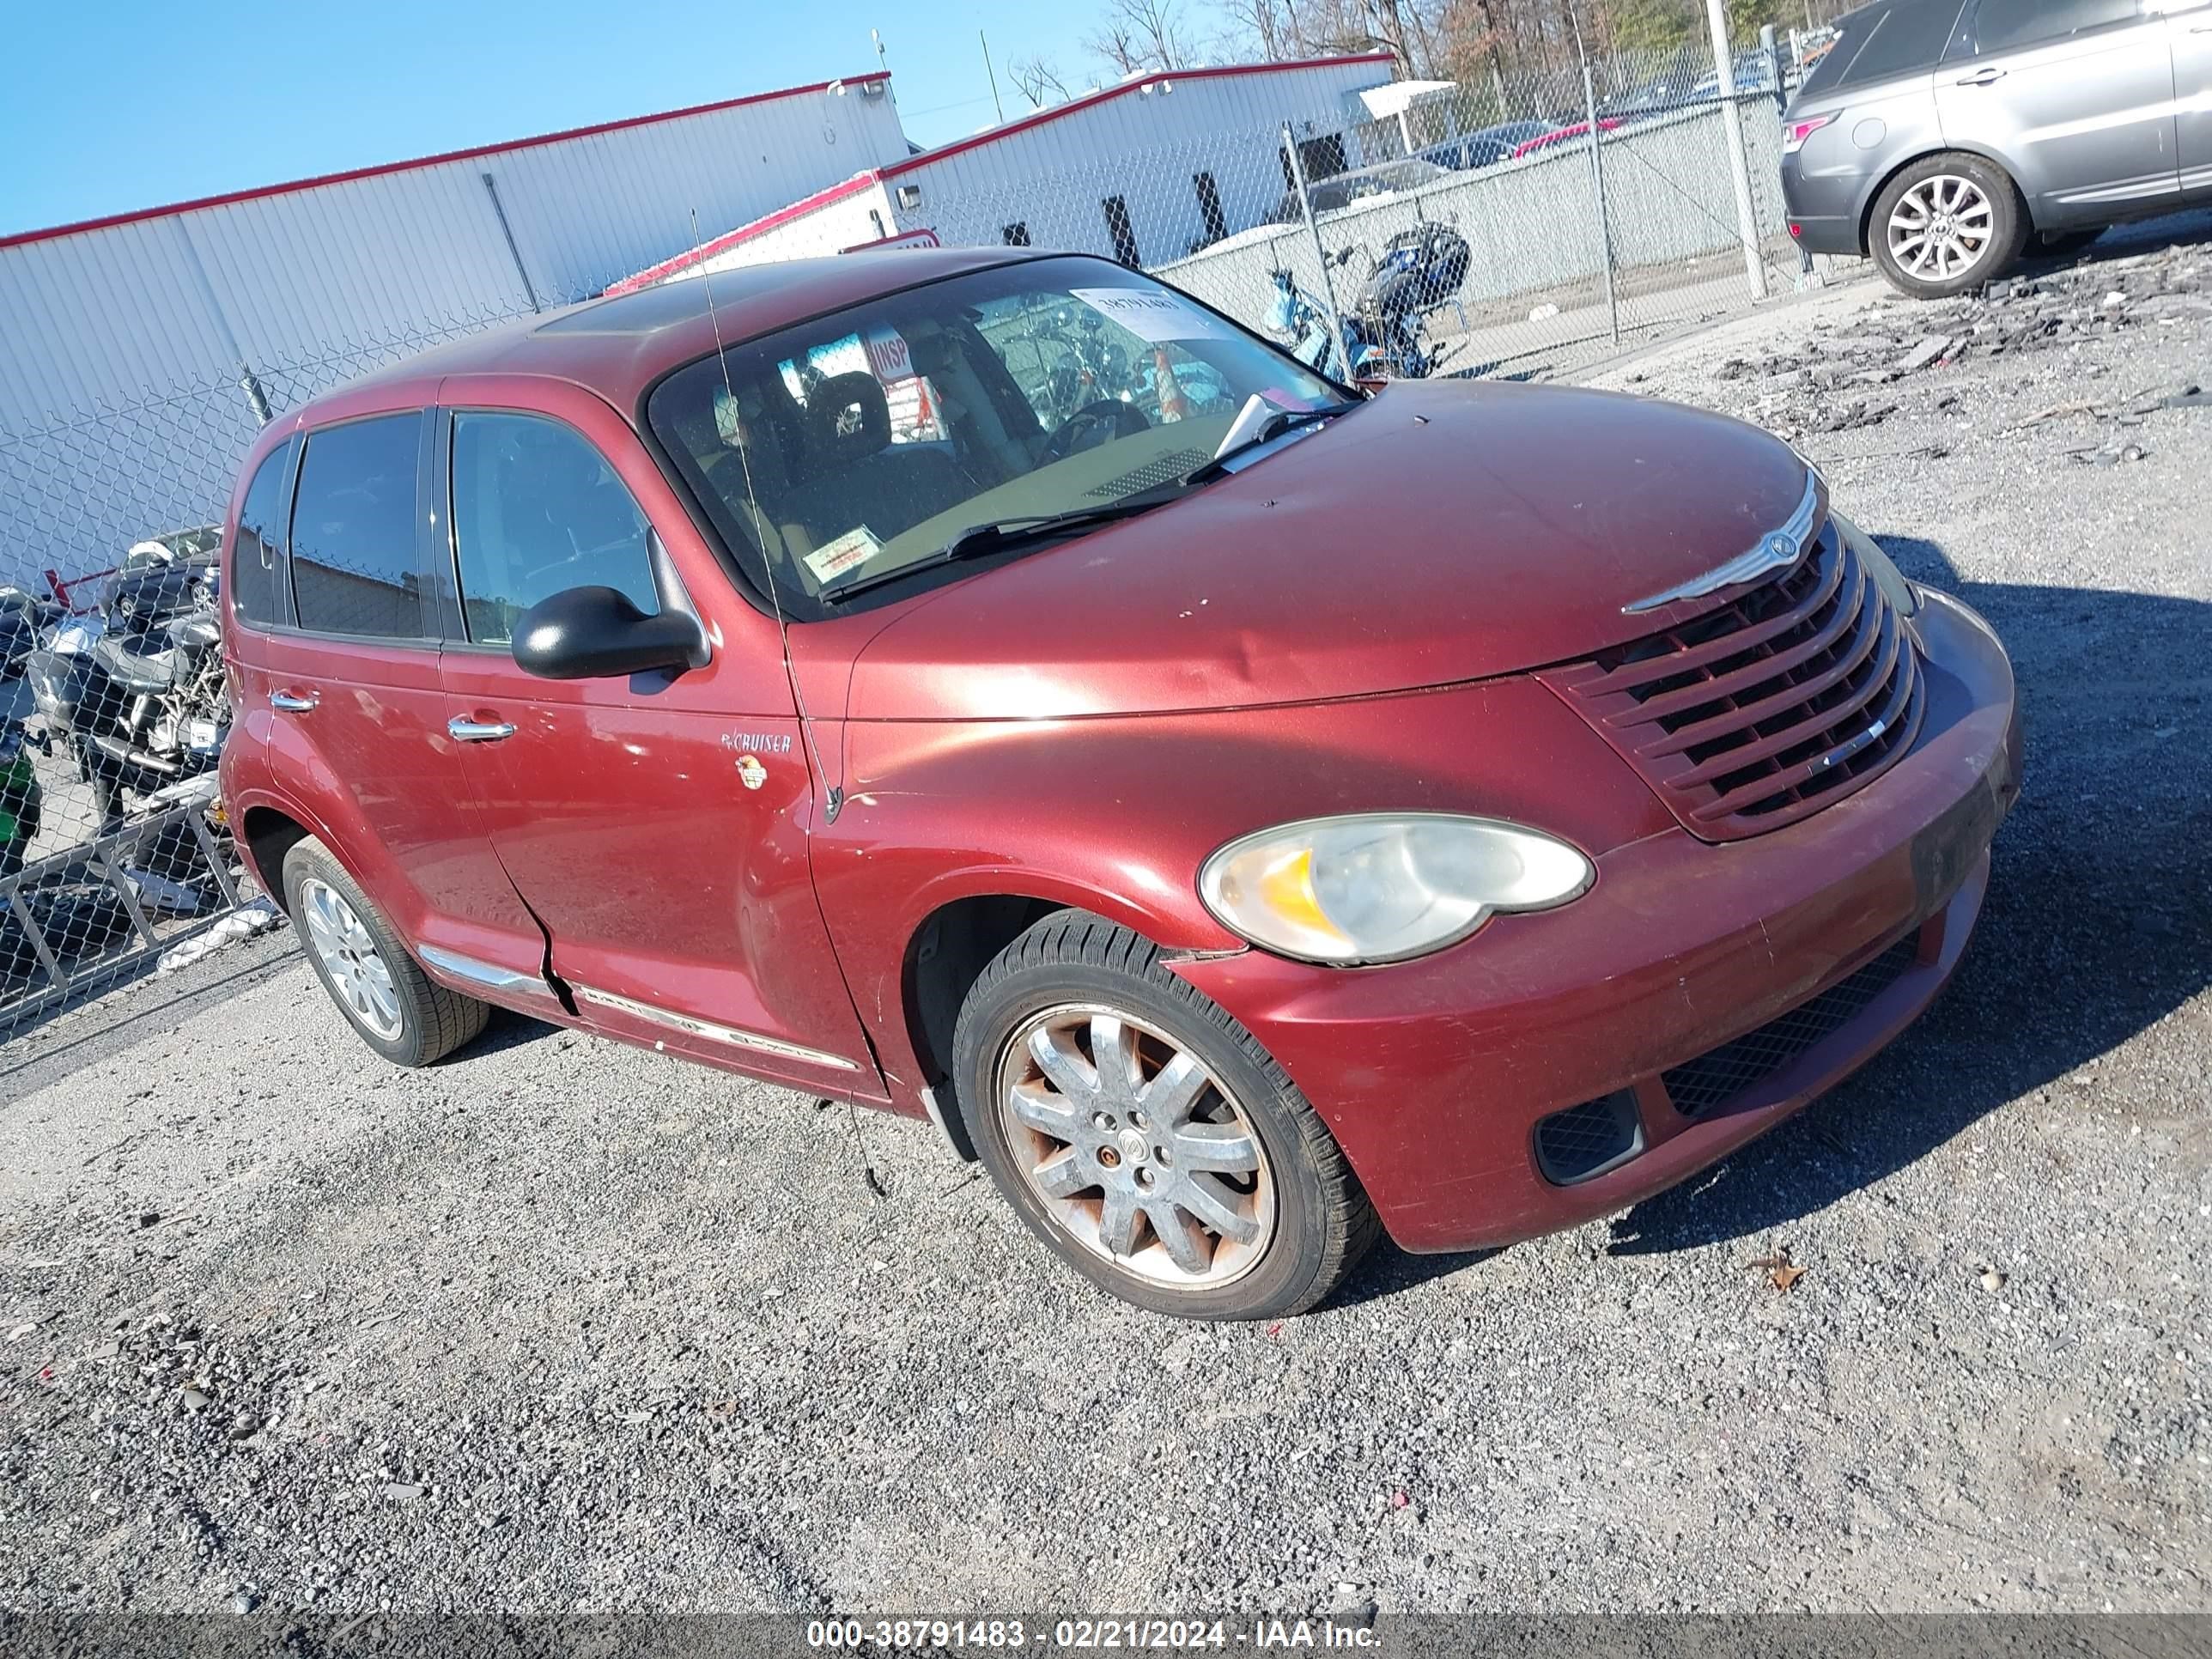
<point x="1150" y="316"/>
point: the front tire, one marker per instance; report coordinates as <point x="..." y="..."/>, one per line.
<point x="396" y="1009"/>
<point x="1947" y="224"/>
<point x="1146" y="1136"/>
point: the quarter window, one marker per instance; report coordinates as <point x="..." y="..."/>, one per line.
<point x="356" y="547"/>
<point x="2007" y="25"/>
<point x="260" y="541"/>
<point x="537" y="511"/>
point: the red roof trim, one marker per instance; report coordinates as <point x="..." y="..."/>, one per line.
<point x="348" y="177"/>
<point x="745" y="232"/>
<point x="1090" y="99"/>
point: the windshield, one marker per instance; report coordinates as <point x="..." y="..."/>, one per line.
<point x="868" y="439"/>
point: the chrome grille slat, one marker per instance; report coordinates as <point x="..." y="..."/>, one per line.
<point x="1646" y="671"/>
<point x="1820" y="690"/>
<point x="1882" y="635"/>
<point x="1864" y="632"/>
<point x="1903" y="688"/>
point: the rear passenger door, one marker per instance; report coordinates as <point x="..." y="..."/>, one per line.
<point x="2189" y="33"/>
<point x="656" y="825"/>
<point x="348" y="676"/>
<point x="2076" y="96"/>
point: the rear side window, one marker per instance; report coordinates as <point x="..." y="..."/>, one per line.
<point x="356" y="548"/>
<point x="260" y="541"/>
<point x="537" y="511"/>
<point x="1884" y="41"/>
<point x="2003" y="25"/>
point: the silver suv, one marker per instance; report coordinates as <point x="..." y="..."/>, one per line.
<point x="1939" y="136"/>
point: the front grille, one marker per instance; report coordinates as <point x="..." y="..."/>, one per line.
<point x="1718" y="1076"/>
<point x="1586" y="1141"/>
<point x="1765" y="707"/>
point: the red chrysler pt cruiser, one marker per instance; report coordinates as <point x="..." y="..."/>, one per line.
<point x="991" y="686"/>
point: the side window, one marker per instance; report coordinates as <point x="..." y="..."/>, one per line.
<point x="2006" y="25"/>
<point x="260" y="541"/>
<point x="355" y="546"/>
<point x="537" y="511"/>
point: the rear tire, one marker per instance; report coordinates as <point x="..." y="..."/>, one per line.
<point x="397" y="1008"/>
<point x="1184" y="1172"/>
<point x="1949" y="223"/>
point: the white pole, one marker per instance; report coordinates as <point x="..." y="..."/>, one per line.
<point x="1747" y="217"/>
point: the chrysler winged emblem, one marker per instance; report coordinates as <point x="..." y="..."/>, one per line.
<point x="1775" y="550"/>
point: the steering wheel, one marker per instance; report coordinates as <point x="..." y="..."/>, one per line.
<point x="1101" y="421"/>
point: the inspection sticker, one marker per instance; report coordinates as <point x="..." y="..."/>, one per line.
<point x="833" y="559"/>
<point x="1149" y="316"/>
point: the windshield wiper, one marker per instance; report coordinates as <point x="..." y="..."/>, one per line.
<point x="1273" y="428"/>
<point x="999" y="534"/>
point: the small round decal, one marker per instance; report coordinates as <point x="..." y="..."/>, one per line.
<point x="750" y="772"/>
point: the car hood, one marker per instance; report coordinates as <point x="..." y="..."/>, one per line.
<point x="1445" y="532"/>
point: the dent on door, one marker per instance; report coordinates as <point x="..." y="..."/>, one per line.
<point x="663" y="846"/>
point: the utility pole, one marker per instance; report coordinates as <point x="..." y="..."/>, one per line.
<point x="993" y="74"/>
<point x="882" y="62"/>
<point x="1747" y="217"/>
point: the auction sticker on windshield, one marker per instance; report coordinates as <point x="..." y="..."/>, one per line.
<point x="833" y="559"/>
<point x="1154" y="317"/>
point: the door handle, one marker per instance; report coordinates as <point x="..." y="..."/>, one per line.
<point x="291" y="702"/>
<point x="463" y="731"/>
<point x="1982" y="77"/>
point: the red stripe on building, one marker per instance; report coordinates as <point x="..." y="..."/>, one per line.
<point x="379" y="171"/>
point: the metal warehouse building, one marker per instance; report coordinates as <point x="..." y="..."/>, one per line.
<point x="1142" y="171"/>
<point x="138" y="354"/>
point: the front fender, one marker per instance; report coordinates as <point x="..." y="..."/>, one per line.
<point x="1116" y="814"/>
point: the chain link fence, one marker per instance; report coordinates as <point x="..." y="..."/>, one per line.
<point x="1527" y="224"/>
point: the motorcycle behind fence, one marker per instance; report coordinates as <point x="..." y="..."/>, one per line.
<point x="1383" y="332"/>
<point x="136" y="689"/>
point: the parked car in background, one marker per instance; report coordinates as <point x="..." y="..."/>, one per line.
<point x="1460" y="812"/>
<point x="1561" y="135"/>
<point x="1341" y="189"/>
<point x="1486" y="147"/>
<point x="1939" y="138"/>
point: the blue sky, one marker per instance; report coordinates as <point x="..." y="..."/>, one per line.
<point x="110" y="104"/>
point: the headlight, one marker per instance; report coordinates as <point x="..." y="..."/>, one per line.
<point x="1382" y="886"/>
<point x="1887" y="576"/>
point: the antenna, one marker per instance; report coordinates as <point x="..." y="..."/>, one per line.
<point x="833" y="795"/>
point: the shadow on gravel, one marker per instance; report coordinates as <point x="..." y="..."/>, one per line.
<point x="2094" y="928"/>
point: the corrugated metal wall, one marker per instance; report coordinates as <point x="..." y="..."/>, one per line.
<point x="1145" y="147"/>
<point x="123" y="349"/>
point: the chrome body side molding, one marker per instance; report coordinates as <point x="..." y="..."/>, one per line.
<point x="693" y="1026"/>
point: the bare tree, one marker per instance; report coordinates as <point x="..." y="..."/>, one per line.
<point x="1266" y="22"/>
<point x="1143" y="34"/>
<point x="1038" y="80"/>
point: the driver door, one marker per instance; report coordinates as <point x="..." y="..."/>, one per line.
<point x="655" y="826"/>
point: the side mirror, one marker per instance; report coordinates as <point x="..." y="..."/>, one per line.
<point x="596" y="633"/>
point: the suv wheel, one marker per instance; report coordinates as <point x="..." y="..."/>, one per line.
<point x="1146" y="1136"/>
<point x="1946" y="224"/>
<point x="397" y="1008"/>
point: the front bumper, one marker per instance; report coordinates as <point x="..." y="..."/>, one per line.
<point x="1434" y="1074"/>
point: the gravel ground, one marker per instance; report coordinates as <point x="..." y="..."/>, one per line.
<point x="567" y="1325"/>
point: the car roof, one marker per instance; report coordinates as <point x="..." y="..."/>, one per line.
<point x="619" y="346"/>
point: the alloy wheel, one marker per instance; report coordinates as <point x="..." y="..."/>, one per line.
<point x="350" y="958"/>
<point x="1134" y="1148"/>
<point x="1941" y="227"/>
